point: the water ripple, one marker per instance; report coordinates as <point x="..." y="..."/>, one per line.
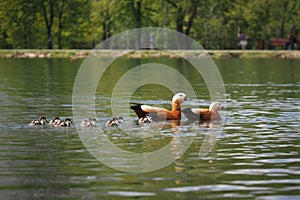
<point x="220" y="187"/>
<point x="262" y="171"/>
<point x="130" y="194"/>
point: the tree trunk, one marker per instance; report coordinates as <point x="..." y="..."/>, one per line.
<point x="138" y="14"/>
<point x="104" y="35"/>
<point x="60" y="14"/>
<point x="106" y="27"/>
<point x="191" y="18"/>
<point x="137" y="10"/>
<point x="48" y="21"/>
<point x="190" y="22"/>
<point x="282" y="35"/>
<point x="179" y="20"/>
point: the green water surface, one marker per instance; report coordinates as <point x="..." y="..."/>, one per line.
<point x="255" y="157"/>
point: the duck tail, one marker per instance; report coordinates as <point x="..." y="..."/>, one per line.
<point x="138" y="110"/>
<point x="136" y="106"/>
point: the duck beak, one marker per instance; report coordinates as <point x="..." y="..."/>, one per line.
<point x="187" y="99"/>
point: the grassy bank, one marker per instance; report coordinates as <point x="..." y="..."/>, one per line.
<point x="75" y="54"/>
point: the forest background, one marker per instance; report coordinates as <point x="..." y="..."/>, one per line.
<point x="82" y="24"/>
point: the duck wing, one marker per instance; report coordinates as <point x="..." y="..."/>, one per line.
<point x="200" y="111"/>
<point x="190" y="114"/>
<point x="154" y="109"/>
<point x="143" y="110"/>
<point x="197" y="113"/>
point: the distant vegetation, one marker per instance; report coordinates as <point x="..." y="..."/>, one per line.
<point x="79" y="24"/>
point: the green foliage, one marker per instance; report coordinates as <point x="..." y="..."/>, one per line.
<point x="83" y="23"/>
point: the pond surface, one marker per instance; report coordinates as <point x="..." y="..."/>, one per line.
<point x="255" y="157"/>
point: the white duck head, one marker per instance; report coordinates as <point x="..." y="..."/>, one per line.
<point x="215" y="106"/>
<point x="179" y="97"/>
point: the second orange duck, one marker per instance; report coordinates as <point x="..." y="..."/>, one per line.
<point x="212" y="113"/>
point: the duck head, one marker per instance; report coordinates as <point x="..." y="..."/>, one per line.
<point x="43" y="120"/>
<point x="215" y="106"/>
<point x="121" y="120"/>
<point x="179" y="97"/>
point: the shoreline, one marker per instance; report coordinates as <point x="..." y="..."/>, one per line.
<point x="74" y="54"/>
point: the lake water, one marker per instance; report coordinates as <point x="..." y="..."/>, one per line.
<point x="256" y="156"/>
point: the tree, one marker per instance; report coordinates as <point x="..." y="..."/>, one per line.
<point x="72" y="17"/>
<point x="60" y="7"/>
<point x="185" y="12"/>
<point x="81" y="23"/>
<point x="47" y="8"/>
<point x="17" y="23"/>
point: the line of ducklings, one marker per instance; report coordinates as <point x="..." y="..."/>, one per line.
<point x="56" y="121"/>
<point x="114" y="122"/>
<point x="91" y="122"/>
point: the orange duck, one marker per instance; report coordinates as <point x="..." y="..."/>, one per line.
<point x="160" y="114"/>
<point x="204" y="114"/>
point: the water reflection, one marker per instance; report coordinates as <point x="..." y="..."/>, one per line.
<point x="138" y="162"/>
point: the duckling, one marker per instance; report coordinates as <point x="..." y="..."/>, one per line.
<point x="91" y="122"/>
<point x="120" y="120"/>
<point x="145" y="120"/>
<point x="115" y="121"/>
<point x="65" y="122"/>
<point x="41" y="121"/>
<point x="55" y="121"/>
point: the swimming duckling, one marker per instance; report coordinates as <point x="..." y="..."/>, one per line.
<point x="145" y="120"/>
<point x="91" y="122"/>
<point x="120" y="120"/>
<point x="41" y="121"/>
<point x="55" y="121"/>
<point x="115" y="121"/>
<point x="65" y="122"/>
